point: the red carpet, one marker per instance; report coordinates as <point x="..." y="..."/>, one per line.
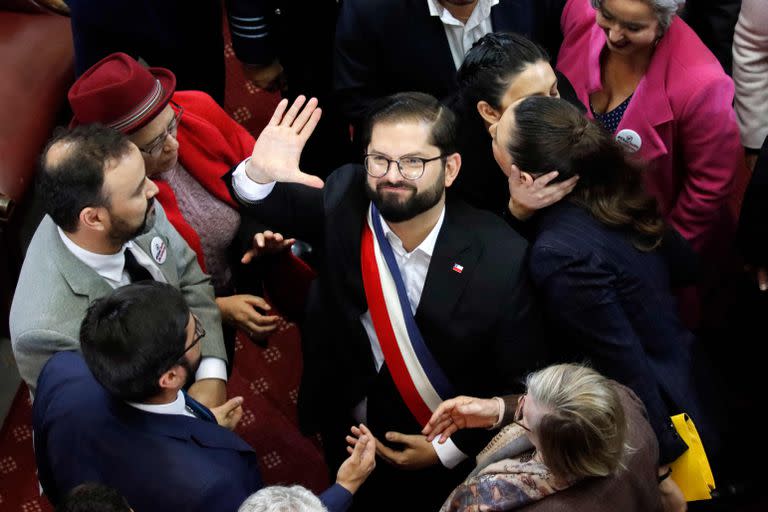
<point x="268" y="378"/>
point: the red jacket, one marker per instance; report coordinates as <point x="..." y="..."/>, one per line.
<point x="210" y="144"/>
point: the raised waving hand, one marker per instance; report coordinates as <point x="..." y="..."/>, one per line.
<point x="278" y="149"/>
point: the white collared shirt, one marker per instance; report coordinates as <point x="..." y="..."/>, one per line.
<point x="178" y="406"/>
<point x="461" y="36"/>
<point x="112" y="268"/>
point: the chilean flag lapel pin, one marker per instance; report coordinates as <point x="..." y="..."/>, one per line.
<point x="458" y="268"/>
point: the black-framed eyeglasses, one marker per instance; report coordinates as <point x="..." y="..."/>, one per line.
<point x="518" y="420"/>
<point x="199" y="335"/>
<point x="410" y="167"/>
<point x="155" y="147"/>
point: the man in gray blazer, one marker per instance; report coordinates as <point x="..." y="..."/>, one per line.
<point x="103" y="230"/>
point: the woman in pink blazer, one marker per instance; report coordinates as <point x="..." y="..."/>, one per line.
<point x="648" y="78"/>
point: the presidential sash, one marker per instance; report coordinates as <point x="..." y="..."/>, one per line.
<point x="419" y="379"/>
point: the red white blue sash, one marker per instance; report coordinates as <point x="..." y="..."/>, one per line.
<point x="419" y="379"/>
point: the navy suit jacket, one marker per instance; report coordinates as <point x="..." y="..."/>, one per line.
<point x="157" y="461"/>
<point x="389" y="46"/>
<point x="611" y="303"/>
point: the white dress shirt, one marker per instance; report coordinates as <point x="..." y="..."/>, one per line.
<point x="413" y="268"/>
<point x="112" y="268"/>
<point x="178" y="406"/>
<point x="461" y="36"/>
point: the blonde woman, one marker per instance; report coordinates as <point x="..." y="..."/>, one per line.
<point x="570" y="426"/>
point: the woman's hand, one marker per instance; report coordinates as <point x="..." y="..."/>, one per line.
<point x="461" y="412"/>
<point x="240" y="311"/>
<point x="672" y="498"/>
<point x="266" y="243"/>
<point x="527" y="195"/>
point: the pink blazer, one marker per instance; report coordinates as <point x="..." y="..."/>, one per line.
<point x="682" y="117"/>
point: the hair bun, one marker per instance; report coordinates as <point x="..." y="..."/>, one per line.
<point x="578" y="133"/>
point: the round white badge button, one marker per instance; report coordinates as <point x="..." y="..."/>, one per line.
<point x="630" y="139"/>
<point x="159" y="250"/>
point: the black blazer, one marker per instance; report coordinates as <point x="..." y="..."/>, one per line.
<point x="714" y="21"/>
<point x="389" y="46"/>
<point x="477" y="323"/>
<point x="170" y="34"/>
<point x="752" y="235"/>
<point x="611" y="304"/>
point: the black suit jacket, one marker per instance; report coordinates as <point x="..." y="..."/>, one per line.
<point x="714" y="21"/>
<point x="389" y="46"/>
<point x="477" y="323"/>
<point x="170" y="34"/>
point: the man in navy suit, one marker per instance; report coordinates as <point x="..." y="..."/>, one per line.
<point x="118" y="414"/>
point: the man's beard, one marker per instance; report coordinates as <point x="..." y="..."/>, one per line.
<point x="191" y="370"/>
<point x="393" y="209"/>
<point x="121" y="232"/>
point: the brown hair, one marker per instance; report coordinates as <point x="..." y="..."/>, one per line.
<point x="551" y="134"/>
<point x="584" y="429"/>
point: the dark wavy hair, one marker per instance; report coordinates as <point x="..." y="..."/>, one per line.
<point x="415" y="106"/>
<point x="491" y="65"/>
<point x="551" y="134"/>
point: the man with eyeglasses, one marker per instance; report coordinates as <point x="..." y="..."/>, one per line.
<point x="103" y="230"/>
<point x="418" y="297"/>
<point x="118" y="414"/>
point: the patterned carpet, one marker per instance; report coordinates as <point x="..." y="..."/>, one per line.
<point x="268" y="379"/>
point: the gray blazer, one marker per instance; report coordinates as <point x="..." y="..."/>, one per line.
<point x="55" y="289"/>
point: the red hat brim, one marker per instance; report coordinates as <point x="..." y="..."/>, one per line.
<point x="167" y="81"/>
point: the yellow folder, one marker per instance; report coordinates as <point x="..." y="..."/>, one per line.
<point x="691" y="471"/>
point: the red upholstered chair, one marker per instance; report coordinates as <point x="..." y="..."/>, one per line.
<point x="37" y="68"/>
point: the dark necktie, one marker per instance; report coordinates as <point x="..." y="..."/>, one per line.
<point x="198" y="409"/>
<point x="135" y="270"/>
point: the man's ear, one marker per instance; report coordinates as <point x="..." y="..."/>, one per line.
<point x="489" y="114"/>
<point x="93" y="218"/>
<point x="452" y="167"/>
<point x="172" y="379"/>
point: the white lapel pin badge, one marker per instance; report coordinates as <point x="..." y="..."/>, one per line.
<point x="159" y="250"/>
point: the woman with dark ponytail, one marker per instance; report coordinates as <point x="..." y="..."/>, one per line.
<point x="500" y="69"/>
<point x="601" y="259"/>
